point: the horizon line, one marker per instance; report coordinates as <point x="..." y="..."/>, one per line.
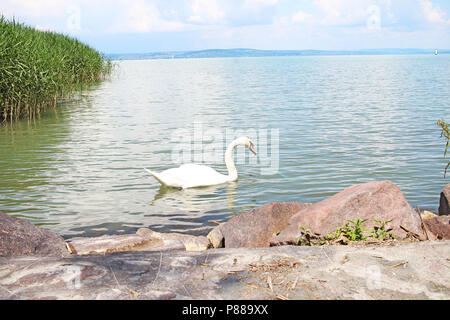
<point x="240" y="52"/>
<point x="244" y="48"/>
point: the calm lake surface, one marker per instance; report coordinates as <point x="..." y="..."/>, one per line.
<point x="340" y="120"/>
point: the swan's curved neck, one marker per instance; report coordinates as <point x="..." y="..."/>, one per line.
<point x="232" y="172"/>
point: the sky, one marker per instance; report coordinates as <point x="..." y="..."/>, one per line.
<point x="139" y="26"/>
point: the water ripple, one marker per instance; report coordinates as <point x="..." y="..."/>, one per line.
<point x="341" y="120"/>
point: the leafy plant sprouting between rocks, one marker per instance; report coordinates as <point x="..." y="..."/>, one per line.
<point x="381" y="232"/>
<point x="352" y="231"/>
<point x="355" y="232"/>
<point x="305" y="237"/>
<point x="445" y="133"/>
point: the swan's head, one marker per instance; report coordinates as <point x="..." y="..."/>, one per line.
<point x="248" y="143"/>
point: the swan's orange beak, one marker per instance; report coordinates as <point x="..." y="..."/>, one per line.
<point x="252" y="148"/>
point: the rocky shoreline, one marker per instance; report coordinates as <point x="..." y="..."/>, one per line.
<point x="255" y="255"/>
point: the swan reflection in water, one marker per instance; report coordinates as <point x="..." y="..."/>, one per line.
<point x="197" y="199"/>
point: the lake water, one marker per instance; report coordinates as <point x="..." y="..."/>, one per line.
<point x="340" y="120"/>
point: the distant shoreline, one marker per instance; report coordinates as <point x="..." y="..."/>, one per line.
<point x="243" y="52"/>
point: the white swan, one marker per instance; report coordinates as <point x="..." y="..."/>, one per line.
<point x="195" y="175"/>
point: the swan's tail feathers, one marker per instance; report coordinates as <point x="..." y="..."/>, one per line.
<point x="155" y="175"/>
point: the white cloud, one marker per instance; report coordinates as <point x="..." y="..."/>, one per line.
<point x="390" y="13"/>
<point x="352" y="12"/>
<point x="206" y="12"/>
<point x="47" y="15"/>
<point x="247" y="23"/>
<point x="343" y="12"/>
<point x="260" y="2"/>
<point x="34" y="8"/>
<point x="302" y="17"/>
<point x="141" y="16"/>
<point x="336" y="13"/>
<point x="432" y="14"/>
<point x="43" y="28"/>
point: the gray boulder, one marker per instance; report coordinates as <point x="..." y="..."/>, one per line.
<point x="444" y="202"/>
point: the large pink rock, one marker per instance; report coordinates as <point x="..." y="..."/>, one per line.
<point x="20" y="237"/>
<point x="444" y="202"/>
<point x="381" y="200"/>
<point x="438" y="227"/>
<point x="256" y="227"/>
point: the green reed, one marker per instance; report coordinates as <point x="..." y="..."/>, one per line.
<point x="38" y="67"/>
<point x="446" y="134"/>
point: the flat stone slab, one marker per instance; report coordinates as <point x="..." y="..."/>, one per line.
<point x="190" y="242"/>
<point x="118" y="243"/>
<point x="399" y="270"/>
<point x="144" y="240"/>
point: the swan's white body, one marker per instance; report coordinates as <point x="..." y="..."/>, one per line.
<point x="190" y="176"/>
<point x="195" y="175"/>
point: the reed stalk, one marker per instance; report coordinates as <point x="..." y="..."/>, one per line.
<point x="39" y="67"/>
<point x="446" y="134"/>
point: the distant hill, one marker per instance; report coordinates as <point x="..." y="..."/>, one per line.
<point x="242" y="52"/>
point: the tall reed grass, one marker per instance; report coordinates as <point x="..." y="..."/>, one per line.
<point x="38" y="67"/>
